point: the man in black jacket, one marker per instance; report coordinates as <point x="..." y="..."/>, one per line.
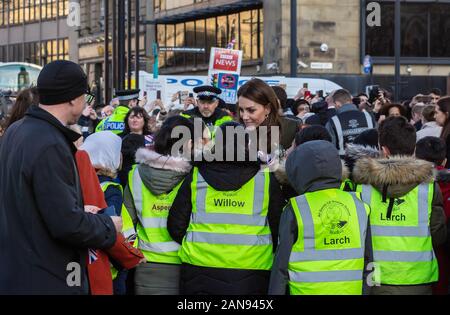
<point x="45" y="232"/>
<point x="348" y="122"/>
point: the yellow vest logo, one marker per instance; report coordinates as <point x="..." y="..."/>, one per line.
<point x="334" y="216"/>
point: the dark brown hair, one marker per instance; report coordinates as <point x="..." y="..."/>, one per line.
<point x="260" y="92"/>
<point x="444" y="106"/>
<point x="398" y="135"/>
<point x="138" y="111"/>
<point x="387" y="107"/>
<point x="25" y="99"/>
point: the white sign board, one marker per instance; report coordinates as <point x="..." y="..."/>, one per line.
<point x="322" y="65"/>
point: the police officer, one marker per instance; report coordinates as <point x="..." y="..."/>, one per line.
<point x="322" y="231"/>
<point x="207" y="107"/>
<point x="116" y="122"/>
<point x="348" y="122"/>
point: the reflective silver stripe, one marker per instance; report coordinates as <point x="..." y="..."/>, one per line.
<point x="228" y="218"/>
<point x="315" y="255"/>
<point x="201" y="193"/>
<point x="368" y="119"/>
<point x="137" y="192"/>
<point x="366" y="194"/>
<point x="337" y="125"/>
<point x="154" y="222"/>
<point x="231" y="239"/>
<point x="362" y="218"/>
<point x="258" y="193"/>
<point x="423" y="205"/>
<point x="326" y="276"/>
<point x="378" y="230"/>
<point x="128" y="233"/>
<point x="384" y="255"/>
<point x="162" y="247"/>
<point x="308" y="224"/>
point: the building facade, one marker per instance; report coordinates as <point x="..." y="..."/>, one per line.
<point x="333" y="37"/>
<point x="35" y="31"/>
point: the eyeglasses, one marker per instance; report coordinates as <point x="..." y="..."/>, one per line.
<point x="89" y="98"/>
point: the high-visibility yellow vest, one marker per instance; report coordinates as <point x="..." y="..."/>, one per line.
<point x="229" y="229"/>
<point x="105" y="186"/>
<point x="328" y="256"/>
<point x="348" y="185"/>
<point x="115" y="122"/>
<point x="217" y="123"/>
<point x="402" y="248"/>
<point x="153" y="238"/>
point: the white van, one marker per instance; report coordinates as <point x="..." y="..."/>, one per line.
<point x="171" y="85"/>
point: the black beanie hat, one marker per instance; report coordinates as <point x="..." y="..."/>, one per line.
<point x="61" y="81"/>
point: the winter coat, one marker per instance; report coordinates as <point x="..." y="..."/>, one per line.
<point x="317" y="169"/>
<point x="122" y="253"/>
<point x="351" y="112"/>
<point x="354" y="152"/>
<point x="429" y="129"/>
<point x="402" y="174"/>
<point x="113" y="195"/>
<point x="130" y="144"/>
<point x="443" y="251"/>
<point x="159" y="174"/>
<point x="44" y="231"/>
<point x="222" y="176"/>
<point x="289" y="128"/>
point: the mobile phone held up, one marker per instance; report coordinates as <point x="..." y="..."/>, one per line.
<point x="307" y="93"/>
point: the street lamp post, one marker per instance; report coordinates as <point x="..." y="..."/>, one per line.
<point x="106" y="86"/>
<point x="129" y="39"/>
<point x="114" y="45"/>
<point x="121" y="61"/>
<point x="136" y="54"/>
<point x="397" y="47"/>
<point x="293" y="38"/>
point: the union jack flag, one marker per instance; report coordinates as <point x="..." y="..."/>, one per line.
<point x="92" y="255"/>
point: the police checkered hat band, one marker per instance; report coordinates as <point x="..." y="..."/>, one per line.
<point x="207" y="94"/>
<point x="128" y="97"/>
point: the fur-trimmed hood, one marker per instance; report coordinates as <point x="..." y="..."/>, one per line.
<point x="161" y="173"/>
<point x="400" y="173"/>
<point x="167" y="162"/>
<point x="358" y="151"/>
<point x="354" y="152"/>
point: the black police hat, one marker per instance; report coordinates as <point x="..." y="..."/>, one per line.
<point x="126" y="95"/>
<point x="207" y="92"/>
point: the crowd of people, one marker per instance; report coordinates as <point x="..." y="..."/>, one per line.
<point x="345" y="195"/>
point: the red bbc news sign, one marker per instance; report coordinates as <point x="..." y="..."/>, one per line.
<point x="226" y="60"/>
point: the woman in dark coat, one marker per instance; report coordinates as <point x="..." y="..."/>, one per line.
<point x="135" y="135"/>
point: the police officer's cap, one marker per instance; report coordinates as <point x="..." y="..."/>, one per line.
<point x="126" y="95"/>
<point x="207" y="92"/>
